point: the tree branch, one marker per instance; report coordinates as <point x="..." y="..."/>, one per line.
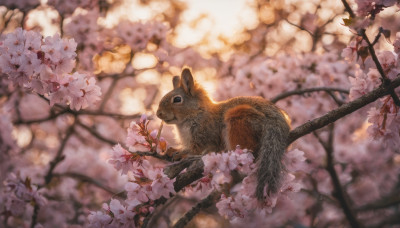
<point x="193" y="173"/>
<point x="385" y="202"/>
<point x="50" y="117"/>
<point x="108" y="93"/>
<point x="96" y="134"/>
<point x="59" y="156"/>
<point x="195" y="168"/>
<point x="308" y="90"/>
<point x="379" y="67"/>
<point x="153" y="154"/>
<point x="342" y="111"/>
<point x="339" y="192"/>
<point x="49" y="176"/>
<point x="348" y="9"/>
<point x="204" y="203"/>
<point x="87" y="179"/>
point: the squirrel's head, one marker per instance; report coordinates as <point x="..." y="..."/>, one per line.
<point x="186" y="100"/>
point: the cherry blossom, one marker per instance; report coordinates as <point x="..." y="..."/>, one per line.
<point x="66" y="148"/>
<point x="44" y="66"/>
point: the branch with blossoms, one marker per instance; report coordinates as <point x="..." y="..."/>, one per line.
<point x="340" y="194"/>
<point x="195" y="167"/>
<point x="44" y="66"/>
<point x="307" y="91"/>
<point x="203" y="204"/>
<point x="342" y="111"/>
<point x="148" y="186"/>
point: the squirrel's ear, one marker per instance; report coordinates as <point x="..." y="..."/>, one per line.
<point x="187" y="81"/>
<point x="175" y="81"/>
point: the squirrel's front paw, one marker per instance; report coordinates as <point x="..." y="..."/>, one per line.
<point x="177" y="155"/>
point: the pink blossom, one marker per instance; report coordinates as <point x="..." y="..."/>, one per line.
<point x="23" y="5"/>
<point x="99" y="219"/>
<point x="309" y="22"/>
<point x="45" y="66"/>
<point x="369" y="7"/>
<point x="227" y="208"/>
<point x="161" y="185"/>
<point x="121" y="159"/>
<point x="396" y="44"/>
<point x="211" y="162"/>
<point x="294" y="160"/>
<point x="136" y="35"/>
<point x="135" y="192"/>
<point x="68" y="7"/>
<point x="21" y="192"/>
<point x="7" y="142"/>
<point x="134" y="140"/>
<point x="387" y="60"/>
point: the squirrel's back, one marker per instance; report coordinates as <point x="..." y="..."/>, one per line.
<point x="250" y="122"/>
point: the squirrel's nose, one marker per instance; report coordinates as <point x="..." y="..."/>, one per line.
<point x="159" y="114"/>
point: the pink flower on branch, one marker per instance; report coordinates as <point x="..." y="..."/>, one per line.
<point x="242" y="201"/>
<point x="20" y="193"/>
<point x="141" y="138"/>
<point x="45" y="66"/>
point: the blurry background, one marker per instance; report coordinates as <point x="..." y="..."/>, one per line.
<point x="235" y="47"/>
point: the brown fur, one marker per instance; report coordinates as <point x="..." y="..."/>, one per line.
<point x="250" y="122"/>
<point x="239" y="127"/>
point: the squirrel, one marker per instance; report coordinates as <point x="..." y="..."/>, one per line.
<point x="205" y="126"/>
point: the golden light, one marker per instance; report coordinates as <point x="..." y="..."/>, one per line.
<point x="22" y="135"/>
<point x="144" y="60"/>
<point x="132" y="100"/>
<point x="361" y="133"/>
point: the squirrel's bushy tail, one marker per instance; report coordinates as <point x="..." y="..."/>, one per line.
<point x="271" y="151"/>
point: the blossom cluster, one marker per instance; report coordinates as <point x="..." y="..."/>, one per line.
<point x="147" y="181"/>
<point x="373" y="7"/>
<point x="140" y="137"/>
<point x="68" y="7"/>
<point x="20" y="193"/>
<point x="137" y="35"/>
<point x="114" y="215"/>
<point x="219" y="165"/>
<point x="24" y="5"/>
<point x="241" y="201"/>
<point x="384" y="117"/>
<point x="44" y="66"/>
<point x="7" y="143"/>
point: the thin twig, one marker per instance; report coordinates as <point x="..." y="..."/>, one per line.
<point x="153" y="154"/>
<point x="7" y="20"/>
<point x="59" y="156"/>
<point x="305" y="91"/>
<point x="87" y="179"/>
<point x="337" y="100"/>
<point x="97" y="134"/>
<point x="299" y="27"/>
<point x="348" y="9"/>
<point x="108" y="93"/>
<point x="195" y="168"/>
<point x="148" y="218"/>
<point x="113" y="115"/>
<point x="204" y="203"/>
<point x="389" y="220"/>
<point x="379" y="67"/>
<point x="34" y="215"/>
<point x="342" y="111"/>
<point x="61" y="25"/>
<point x="49" y="176"/>
<point x="339" y="193"/>
<point x="387" y="201"/>
<point x="50" y="117"/>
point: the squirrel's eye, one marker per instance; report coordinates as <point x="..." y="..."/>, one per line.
<point x="177" y="99"/>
